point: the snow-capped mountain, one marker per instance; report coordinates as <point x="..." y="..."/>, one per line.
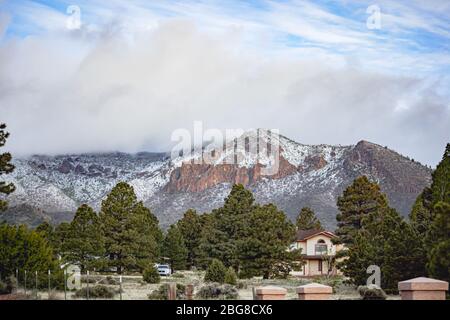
<point x="275" y="168"/>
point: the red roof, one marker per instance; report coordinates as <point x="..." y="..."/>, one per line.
<point x="303" y="235"/>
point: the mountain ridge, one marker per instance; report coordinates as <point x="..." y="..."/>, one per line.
<point x="309" y="175"/>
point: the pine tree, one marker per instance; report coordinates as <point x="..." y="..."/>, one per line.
<point x="5" y="167"/>
<point x="191" y="226"/>
<point x="307" y="220"/>
<point x="262" y="251"/>
<point x="440" y="187"/>
<point x="24" y="249"/>
<point x="216" y="271"/>
<point x="132" y="235"/>
<point x="421" y="215"/>
<point x="227" y="226"/>
<point x="84" y="244"/>
<point x="439" y="243"/>
<point x="360" y="199"/>
<point x="175" y="249"/>
<point x="388" y="242"/>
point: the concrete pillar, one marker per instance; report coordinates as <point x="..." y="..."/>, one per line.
<point x="423" y="289"/>
<point x="270" y="293"/>
<point x="172" y="292"/>
<point x="314" y="291"/>
<point x="189" y="292"/>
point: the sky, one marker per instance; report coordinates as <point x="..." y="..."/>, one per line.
<point x="97" y="76"/>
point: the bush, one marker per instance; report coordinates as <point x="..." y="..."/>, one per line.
<point x="8" y="285"/>
<point x="178" y="275"/>
<point x="217" y="291"/>
<point x="109" y="280"/>
<point x="151" y="275"/>
<point x="241" y="285"/>
<point x="371" y="292"/>
<point x="230" y="277"/>
<point x="163" y="291"/>
<point x="96" y="292"/>
<point x="216" y="272"/>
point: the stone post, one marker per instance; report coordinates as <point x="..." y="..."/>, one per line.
<point x="172" y="292"/>
<point x="270" y="293"/>
<point x="314" y="291"/>
<point x="423" y="289"/>
<point x="189" y="291"/>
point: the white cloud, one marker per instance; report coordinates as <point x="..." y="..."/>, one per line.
<point x="137" y="70"/>
<point x="73" y="93"/>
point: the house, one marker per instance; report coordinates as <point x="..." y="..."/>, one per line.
<point x="317" y="251"/>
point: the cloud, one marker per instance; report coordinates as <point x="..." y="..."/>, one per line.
<point x="4" y="22"/>
<point x="71" y="93"/>
<point x="136" y="71"/>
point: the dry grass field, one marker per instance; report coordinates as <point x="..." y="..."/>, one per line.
<point x="134" y="288"/>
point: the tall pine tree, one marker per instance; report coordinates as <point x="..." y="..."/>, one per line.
<point x="174" y="248"/>
<point x="307" y="220"/>
<point x="439" y="243"/>
<point x="359" y="200"/>
<point x="262" y="249"/>
<point x="84" y="244"/>
<point x="191" y="226"/>
<point x="389" y="242"/>
<point x="227" y="226"/>
<point x="132" y="235"/>
<point x="5" y="167"/>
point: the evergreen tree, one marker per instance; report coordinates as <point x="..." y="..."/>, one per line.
<point x="262" y="251"/>
<point x="388" y="242"/>
<point x="132" y="235"/>
<point x="440" y="187"/>
<point x="307" y="220"/>
<point x="421" y="215"/>
<point x="24" y="249"/>
<point x="5" y="167"/>
<point x="216" y="271"/>
<point x="61" y="233"/>
<point x="360" y="199"/>
<point x="84" y="244"/>
<point x="230" y="277"/>
<point x="227" y="226"/>
<point x="174" y="248"/>
<point x="439" y="239"/>
<point x="191" y="226"/>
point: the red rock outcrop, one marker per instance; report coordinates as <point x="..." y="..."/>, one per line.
<point x="199" y="177"/>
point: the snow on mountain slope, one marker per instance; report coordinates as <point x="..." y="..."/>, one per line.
<point x="308" y="175"/>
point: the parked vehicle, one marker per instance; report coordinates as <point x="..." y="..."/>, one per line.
<point x="163" y="269"/>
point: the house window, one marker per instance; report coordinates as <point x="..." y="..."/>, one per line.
<point x="321" y="247"/>
<point x="320" y="265"/>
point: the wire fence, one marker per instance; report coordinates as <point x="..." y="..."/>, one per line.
<point x="88" y="285"/>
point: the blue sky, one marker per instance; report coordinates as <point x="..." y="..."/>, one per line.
<point x="407" y="58"/>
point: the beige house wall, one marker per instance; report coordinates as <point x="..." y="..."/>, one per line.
<point x="308" y="247"/>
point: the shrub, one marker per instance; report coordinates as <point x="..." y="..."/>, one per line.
<point x="109" y="280"/>
<point x="163" y="291"/>
<point x="178" y="275"/>
<point x="151" y="275"/>
<point x="96" y="292"/>
<point x="8" y="285"/>
<point x="241" y="285"/>
<point x="217" y="291"/>
<point x="371" y="292"/>
<point x="216" y="272"/>
<point x="230" y="277"/>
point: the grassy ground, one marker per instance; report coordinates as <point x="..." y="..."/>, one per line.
<point x="134" y="288"/>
